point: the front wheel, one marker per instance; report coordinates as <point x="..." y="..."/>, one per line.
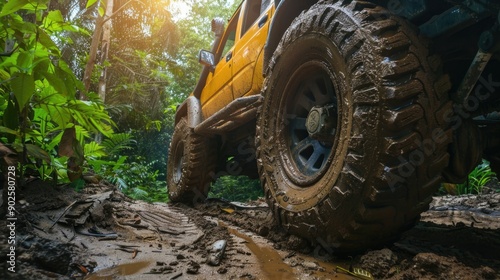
<point x="191" y="165"/>
<point x="351" y="139"/>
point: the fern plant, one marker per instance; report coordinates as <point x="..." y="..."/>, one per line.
<point x="105" y="157"/>
<point x="138" y="180"/>
<point x="118" y="142"/>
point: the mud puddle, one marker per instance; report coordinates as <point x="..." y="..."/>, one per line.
<point x="279" y="264"/>
<point x="127" y="269"/>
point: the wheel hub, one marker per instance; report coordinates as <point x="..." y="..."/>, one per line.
<point x="310" y="108"/>
<point x="321" y="122"/>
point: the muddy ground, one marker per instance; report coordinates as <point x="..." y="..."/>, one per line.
<point x="101" y="234"/>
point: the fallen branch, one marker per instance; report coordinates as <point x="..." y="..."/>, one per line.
<point x="39" y="228"/>
<point x="127" y="246"/>
<point x="175" y="276"/>
<point x="74" y="233"/>
<point x="104" y="235"/>
<point x="173" y="232"/>
<point x="128" y="250"/>
<point x="108" y="238"/>
<point x="62" y="214"/>
<point x="135" y="225"/>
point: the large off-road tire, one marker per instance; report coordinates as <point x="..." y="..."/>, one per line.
<point x="351" y="138"/>
<point x="191" y="165"/>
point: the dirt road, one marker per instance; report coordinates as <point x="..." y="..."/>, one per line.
<point x="100" y="234"/>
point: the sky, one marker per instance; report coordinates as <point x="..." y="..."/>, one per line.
<point x="179" y="9"/>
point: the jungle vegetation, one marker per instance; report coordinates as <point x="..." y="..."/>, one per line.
<point x="89" y="88"/>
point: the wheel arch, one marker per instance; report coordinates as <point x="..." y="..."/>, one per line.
<point x="191" y="109"/>
<point x="286" y="12"/>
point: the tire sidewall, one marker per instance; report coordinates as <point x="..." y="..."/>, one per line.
<point x="310" y="46"/>
<point x="189" y="180"/>
<point x="176" y="186"/>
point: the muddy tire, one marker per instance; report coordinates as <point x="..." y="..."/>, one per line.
<point x="351" y="138"/>
<point x="191" y="165"/>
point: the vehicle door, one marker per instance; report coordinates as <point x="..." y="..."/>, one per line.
<point x="247" y="60"/>
<point x="218" y="90"/>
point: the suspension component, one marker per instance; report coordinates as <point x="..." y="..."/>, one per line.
<point x="488" y="44"/>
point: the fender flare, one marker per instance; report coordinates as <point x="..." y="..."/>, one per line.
<point x="286" y="12"/>
<point x="190" y="108"/>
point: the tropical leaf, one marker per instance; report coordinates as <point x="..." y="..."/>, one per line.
<point x="86" y="113"/>
<point x="121" y="183"/>
<point x="54" y="17"/>
<point x="66" y="143"/>
<point x="47" y="42"/>
<point x="118" y="142"/>
<point x="90" y="3"/>
<point x="13" y="6"/>
<point x="25" y="62"/>
<point x="23" y="87"/>
<point x="7" y="130"/>
<point x="38" y="152"/>
<point x="94" y="150"/>
<point x="11" y="120"/>
<point x="156" y="124"/>
<point x="138" y="193"/>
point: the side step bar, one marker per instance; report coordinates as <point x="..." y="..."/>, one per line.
<point x="236" y="113"/>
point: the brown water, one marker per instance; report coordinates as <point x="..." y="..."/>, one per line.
<point x="119" y="270"/>
<point x="273" y="267"/>
<point x="270" y="261"/>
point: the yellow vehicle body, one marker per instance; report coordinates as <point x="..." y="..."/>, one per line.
<point x="238" y="71"/>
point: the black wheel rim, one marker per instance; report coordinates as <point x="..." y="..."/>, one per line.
<point x="306" y="157"/>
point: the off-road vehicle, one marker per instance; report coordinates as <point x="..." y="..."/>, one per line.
<point x="351" y="113"/>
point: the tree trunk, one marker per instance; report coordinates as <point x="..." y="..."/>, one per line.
<point x="96" y="39"/>
<point x="106" y="41"/>
<point x="101" y="36"/>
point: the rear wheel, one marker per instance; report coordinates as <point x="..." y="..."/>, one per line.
<point x="191" y="165"/>
<point x="351" y="138"/>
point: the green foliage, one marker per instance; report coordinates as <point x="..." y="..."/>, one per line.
<point x="477" y="179"/>
<point x="152" y="67"/>
<point x="236" y="188"/>
<point x="132" y="175"/>
<point x="143" y="46"/>
<point x="152" y="146"/>
<point x="38" y="89"/>
<point x="153" y="143"/>
<point x="106" y="158"/>
<point x="117" y="143"/>
<point x="149" y="73"/>
<point x="138" y="181"/>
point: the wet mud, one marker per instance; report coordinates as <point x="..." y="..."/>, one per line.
<point x="101" y="234"/>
